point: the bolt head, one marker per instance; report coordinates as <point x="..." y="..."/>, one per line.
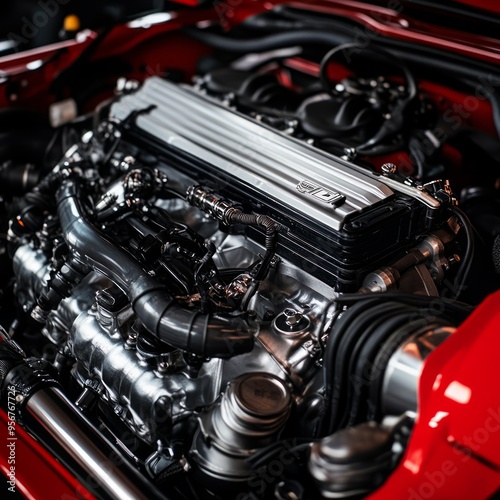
<point x="389" y="168"/>
<point x="292" y="316"/>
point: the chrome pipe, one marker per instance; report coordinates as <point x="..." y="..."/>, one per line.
<point x="91" y="452"/>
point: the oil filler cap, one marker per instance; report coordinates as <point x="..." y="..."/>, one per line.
<point x="262" y="395"/>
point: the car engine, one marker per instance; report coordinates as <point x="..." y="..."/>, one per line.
<point x="232" y="281"/>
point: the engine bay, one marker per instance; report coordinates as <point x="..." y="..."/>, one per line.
<point x="237" y="278"/>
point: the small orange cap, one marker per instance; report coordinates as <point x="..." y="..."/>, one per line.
<point x="71" y="23"/>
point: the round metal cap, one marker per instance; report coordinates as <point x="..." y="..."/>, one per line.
<point x="262" y="394"/>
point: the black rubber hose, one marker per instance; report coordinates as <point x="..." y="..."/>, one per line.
<point x="352" y="29"/>
<point x="421" y="55"/>
<point x="435" y="59"/>
<point x="271" y="228"/>
<point x="360" y="307"/>
<point x="466" y="263"/>
<point x="263" y="221"/>
<point x="206" y="335"/>
<point x="35" y="205"/>
<point x="496" y="254"/>
<point x="271" y="42"/>
<point x="488" y="90"/>
<point x="328" y="413"/>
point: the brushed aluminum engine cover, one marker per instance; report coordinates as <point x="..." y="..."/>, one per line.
<point x="341" y="218"/>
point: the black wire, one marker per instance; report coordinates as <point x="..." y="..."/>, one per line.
<point x="265" y="454"/>
<point x="462" y="309"/>
<point x="339" y="147"/>
<point x="437" y="59"/>
<point x="50" y="146"/>
<point x="466" y="263"/>
<point x="206" y="259"/>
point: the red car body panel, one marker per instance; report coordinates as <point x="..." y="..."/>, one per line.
<point x="454" y="450"/>
<point x="491" y="5"/>
<point x="142" y="46"/>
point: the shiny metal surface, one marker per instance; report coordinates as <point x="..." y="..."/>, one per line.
<point x="250" y="415"/>
<point x="247" y="150"/>
<point x="203" y="334"/>
<point x="400" y="386"/>
<point x="133" y="386"/>
<point x="254" y="407"/>
<point x="32" y="272"/>
<point x="138" y="390"/>
<point x="58" y="416"/>
<point x="59" y="322"/>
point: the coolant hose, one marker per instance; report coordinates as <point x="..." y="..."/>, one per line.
<point x="203" y="334"/>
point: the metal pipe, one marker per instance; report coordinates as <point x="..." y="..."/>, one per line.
<point x="91" y="452"/>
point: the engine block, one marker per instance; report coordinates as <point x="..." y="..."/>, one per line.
<point x="189" y="266"/>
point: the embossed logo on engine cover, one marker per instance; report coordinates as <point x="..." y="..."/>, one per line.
<point x="320" y="193"/>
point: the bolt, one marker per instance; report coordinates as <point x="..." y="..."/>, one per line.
<point x="251" y="314"/>
<point x="389" y="168"/>
<point x="350" y="153"/>
<point x="163" y="366"/>
<point x="119" y="410"/>
<point x="292" y="316"/>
